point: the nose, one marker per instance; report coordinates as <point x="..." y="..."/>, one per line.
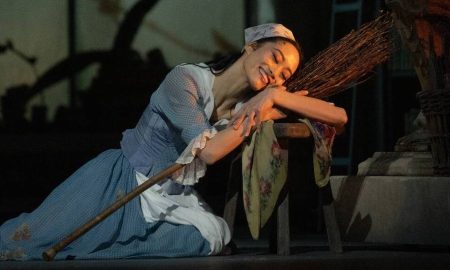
<point x="275" y="75"/>
<point x="271" y="76"/>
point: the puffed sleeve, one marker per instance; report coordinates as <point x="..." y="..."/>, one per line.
<point x="179" y="101"/>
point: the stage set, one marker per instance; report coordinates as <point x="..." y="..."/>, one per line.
<point x="372" y="194"/>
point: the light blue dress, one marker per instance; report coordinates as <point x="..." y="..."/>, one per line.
<point x="175" y="115"/>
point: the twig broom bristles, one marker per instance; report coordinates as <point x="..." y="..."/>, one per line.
<point x="347" y="62"/>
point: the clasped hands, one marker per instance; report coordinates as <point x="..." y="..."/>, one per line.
<point x="258" y="109"/>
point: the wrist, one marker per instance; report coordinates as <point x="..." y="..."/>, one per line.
<point x="275" y="95"/>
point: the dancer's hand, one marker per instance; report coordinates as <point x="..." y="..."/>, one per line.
<point x="258" y="109"/>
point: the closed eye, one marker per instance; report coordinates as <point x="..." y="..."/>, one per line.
<point x="275" y="58"/>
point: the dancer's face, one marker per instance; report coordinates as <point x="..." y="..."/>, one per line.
<point x="272" y="62"/>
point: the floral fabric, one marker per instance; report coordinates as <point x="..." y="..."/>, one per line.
<point x="323" y="142"/>
<point x="264" y="170"/>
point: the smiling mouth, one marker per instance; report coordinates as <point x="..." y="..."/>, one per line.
<point x="264" y="76"/>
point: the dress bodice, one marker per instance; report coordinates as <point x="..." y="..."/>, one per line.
<point x="178" y="111"/>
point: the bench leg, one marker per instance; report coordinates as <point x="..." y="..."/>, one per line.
<point x="229" y="213"/>
<point x="283" y="233"/>
<point x="232" y="194"/>
<point x="279" y="237"/>
<point x="334" y="236"/>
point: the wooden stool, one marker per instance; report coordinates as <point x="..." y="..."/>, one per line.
<point x="281" y="242"/>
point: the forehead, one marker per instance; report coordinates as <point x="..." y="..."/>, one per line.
<point x="289" y="51"/>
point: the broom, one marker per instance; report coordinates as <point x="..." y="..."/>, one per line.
<point x="347" y="62"/>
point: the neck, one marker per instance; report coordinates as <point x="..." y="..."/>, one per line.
<point x="229" y="87"/>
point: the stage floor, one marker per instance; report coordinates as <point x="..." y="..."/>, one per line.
<point x="307" y="253"/>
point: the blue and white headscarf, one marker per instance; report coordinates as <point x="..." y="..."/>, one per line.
<point x="267" y="30"/>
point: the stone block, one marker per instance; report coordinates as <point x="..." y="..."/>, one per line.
<point x="398" y="163"/>
<point x="393" y="209"/>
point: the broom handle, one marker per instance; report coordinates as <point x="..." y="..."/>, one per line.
<point x="50" y="253"/>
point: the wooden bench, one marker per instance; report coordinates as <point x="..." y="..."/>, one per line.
<point x="280" y="240"/>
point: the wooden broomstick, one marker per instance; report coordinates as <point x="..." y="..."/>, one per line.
<point x="50" y="253"/>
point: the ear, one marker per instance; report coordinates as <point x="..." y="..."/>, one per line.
<point x="248" y="48"/>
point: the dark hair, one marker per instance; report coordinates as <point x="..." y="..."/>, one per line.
<point x="219" y="65"/>
<point x="222" y="63"/>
